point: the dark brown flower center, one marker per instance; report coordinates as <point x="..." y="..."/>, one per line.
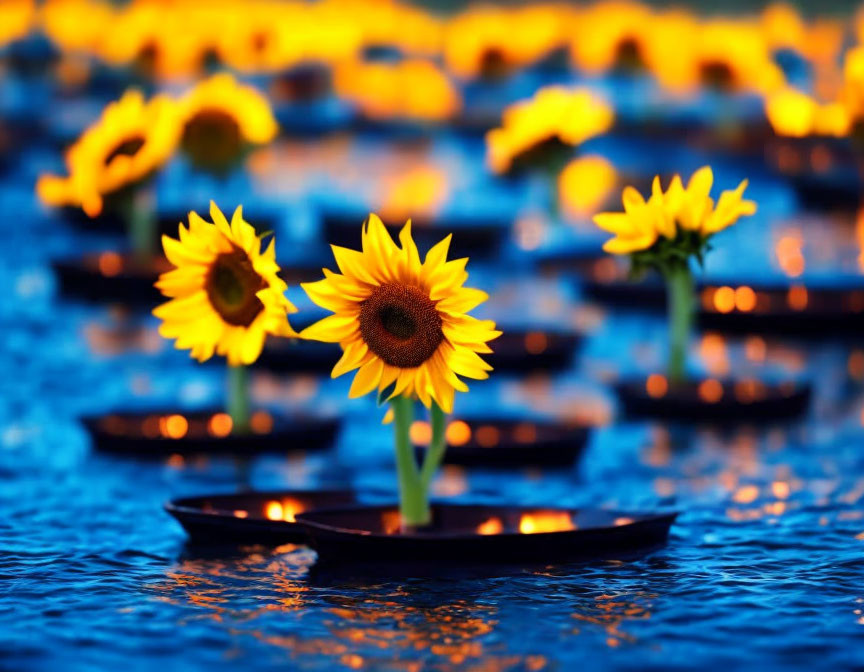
<point x="628" y="55"/>
<point x="212" y="140"/>
<point x="231" y="286"/>
<point x="494" y="64"/>
<point x="717" y="75"/>
<point x="401" y="325"/>
<point x="129" y="147"/>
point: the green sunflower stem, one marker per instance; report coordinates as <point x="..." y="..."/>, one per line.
<point x="239" y="405"/>
<point x="437" y="448"/>
<point x="141" y="224"/>
<point x="679" y="287"/>
<point x="413" y="492"/>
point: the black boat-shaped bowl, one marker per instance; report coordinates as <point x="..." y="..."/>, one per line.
<point x="159" y="434"/>
<point x="481" y="534"/>
<point x="252" y="517"/>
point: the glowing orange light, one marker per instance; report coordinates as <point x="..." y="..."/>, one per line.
<point x="745" y="299"/>
<point x="220" y="424"/>
<point x="623" y="520"/>
<point x="422" y="190"/>
<point x="797" y="297"/>
<point x="176" y="461"/>
<point x="491" y="526"/>
<point x="755" y="349"/>
<point x="487" y="436"/>
<point x="536" y="342"/>
<point x="261" y="422"/>
<point x="748" y="390"/>
<point x="421" y="433"/>
<point x="151" y="427"/>
<point x="711" y="390"/>
<point x="855" y="364"/>
<point x="458" y="433"/>
<point x="724" y="300"/>
<point x="273" y="510"/>
<point x="110" y="264"/>
<point x="174" y="426"/>
<point x="585" y="184"/>
<point x="656" y="386"/>
<point x="239" y="513"/>
<point x="780" y="489"/>
<point x="546" y="521"/>
<point x="391" y="522"/>
<point x="290" y="508"/>
<point x="746" y="494"/>
<point x="525" y="432"/>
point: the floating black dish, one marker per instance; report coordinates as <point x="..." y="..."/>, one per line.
<point x="475" y="236"/>
<point x="524" y="350"/>
<point x="714" y="401"/>
<point x="159" y="434"/>
<point x="511" y="444"/>
<point x="481" y="534"/>
<point x="252" y="517"/>
<point x="113" y="277"/>
<point x="291" y="355"/>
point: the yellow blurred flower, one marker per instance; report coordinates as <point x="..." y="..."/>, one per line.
<point x="585" y="184"/>
<point x="61" y="20"/>
<point x="16" y="19"/>
<point x="795" y="114"/>
<point x="402" y="322"/>
<point x="410" y="89"/>
<point x="673" y="215"/>
<point x="131" y="140"/>
<point x="221" y="118"/>
<point x="226" y="294"/>
<point x="610" y="34"/>
<point x="555" y="113"/>
<point x="491" y="41"/>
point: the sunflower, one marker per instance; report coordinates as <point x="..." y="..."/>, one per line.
<point x="556" y="115"/>
<point x="16" y="19"/>
<point x="685" y="217"/>
<point x="400" y="322"/>
<point x="221" y="118"/>
<point x="131" y="140"/>
<point x="226" y="295"/>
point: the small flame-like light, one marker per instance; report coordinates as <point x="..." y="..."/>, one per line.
<point x="780" y="489"/>
<point x="711" y="390"/>
<point x="546" y="521"/>
<point x="285" y="510"/>
<point x="525" y="432"/>
<point x="724" y="300"/>
<point x="174" y="426"/>
<point x="745" y="299"/>
<point x="491" y="526"/>
<point x="487" y="436"/>
<point x="656" y="386"/>
<point x="421" y="433"/>
<point x="261" y="422"/>
<point x="110" y="264"/>
<point x="240" y="513"/>
<point x="273" y="510"/>
<point x="790" y="256"/>
<point x="623" y="520"/>
<point x="458" y="433"/>
<point x="391" y="522"/>
<point x="797" y="297"/>
<point x="220" y="425"/>
<point x="536" y="342"/>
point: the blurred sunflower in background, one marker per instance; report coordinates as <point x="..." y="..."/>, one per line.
<point x="16" y="19"/>
<point x="402" y="323"/>
<point x="553" y="121"/>
<point x="131" y="140"/>
<point x="225" y="292"/>
<point x="221" y="119"/>
<point x="680" y="220"/>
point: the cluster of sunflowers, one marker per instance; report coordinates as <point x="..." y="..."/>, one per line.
<point x="681" y="50"/>
<point x="214" y="123"/>
<point x="402" y="323"/>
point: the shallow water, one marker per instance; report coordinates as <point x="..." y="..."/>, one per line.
<point x="763" y="569"/>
